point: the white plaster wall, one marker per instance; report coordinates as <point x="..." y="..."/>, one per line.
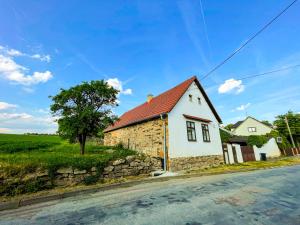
<point x="242" y="130"/>
<point x="230" y="153"/>
<point x="270" y="148"/>
<point x="179" y="146"/>
<point x="238" y="153"/>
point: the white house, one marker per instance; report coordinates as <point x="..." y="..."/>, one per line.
<point x="180" y="125"/>
<point x="238" y="150"/>
<point x="250" y="126"/>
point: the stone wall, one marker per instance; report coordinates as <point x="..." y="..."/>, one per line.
<point x="130" y="166"/>
<point x="201" y="162"/>
<point x="145" y="137"/>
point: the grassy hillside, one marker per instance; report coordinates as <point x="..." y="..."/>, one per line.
<point x="23" y="154"/>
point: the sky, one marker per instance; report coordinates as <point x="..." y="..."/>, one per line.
<point x="143" y="47"/>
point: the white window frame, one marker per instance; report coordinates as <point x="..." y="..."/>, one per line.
<point x="252" y="129"/>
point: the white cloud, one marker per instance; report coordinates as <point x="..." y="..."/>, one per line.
<point x="16" y="53"/>
<point x="117" y="84"/>
<point x="14" y="116"/>
<point x="127" y="91"/>
<point x="24" y="122"/>
<point x="231" y="86"/>
<point x="44" y="111"/>
<point x="243" y="107"/>
<point x="5" y="105"/>
<point x="12" y="71"/>
<point x="43" y="58"/>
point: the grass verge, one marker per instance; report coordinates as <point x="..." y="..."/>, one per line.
<point x="276" y="162"/>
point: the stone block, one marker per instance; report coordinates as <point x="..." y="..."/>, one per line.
<point x="130" y="158"/>
<point x="118" y="168"/>
<point x="118" y="162"/>
<point x="134" y="164"/>
<point x="76" y="171"/>
<point x="65" y="170"/>
<point x="109" y="169"/>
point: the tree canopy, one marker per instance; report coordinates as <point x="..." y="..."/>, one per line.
<point x="266" y="122"/>
<point x="229" y="126"/>
<point x="84" y="110"/>
<point x="294" y="123"/>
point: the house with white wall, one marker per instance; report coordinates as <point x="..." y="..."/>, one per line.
<point x="250" y="126"/>
<point x="238" y="150"/>
<point x="180" y="125"/>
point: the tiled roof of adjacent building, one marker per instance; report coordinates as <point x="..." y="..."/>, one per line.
<point x="160" y="104"/>
<point x="238" y="123"/>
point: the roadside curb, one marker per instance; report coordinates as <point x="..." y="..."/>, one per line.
<point x="14" y="204"/>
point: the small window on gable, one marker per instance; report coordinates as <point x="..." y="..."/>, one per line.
<point x="251" y="129"/>
<point x="199" y="100"/>
<point x="191" y="98"/>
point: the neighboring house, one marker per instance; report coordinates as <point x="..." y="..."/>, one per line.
<point x="181" y="122"/>
<point x="250" y="126"/>
<point x="237" y="149"/>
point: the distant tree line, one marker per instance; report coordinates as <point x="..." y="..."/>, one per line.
<point x="41" y="134"/>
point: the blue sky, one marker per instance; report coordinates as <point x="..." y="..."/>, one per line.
<point x="145" y="47"/>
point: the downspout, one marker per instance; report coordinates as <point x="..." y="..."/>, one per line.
<point x="163" y="118"/>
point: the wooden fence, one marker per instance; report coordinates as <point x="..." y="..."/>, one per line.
<point x="291" y="151"/>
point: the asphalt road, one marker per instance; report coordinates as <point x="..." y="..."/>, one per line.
<point x="260" y="197"/>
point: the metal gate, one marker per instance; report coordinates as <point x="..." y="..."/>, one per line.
<point x="247" y="153"/>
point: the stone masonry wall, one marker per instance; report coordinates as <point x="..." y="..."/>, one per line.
<point x="145" y="137"/>
<point x="201" y="162"/>
<point x="63" y="177"/>
<point x="130" y="166"/>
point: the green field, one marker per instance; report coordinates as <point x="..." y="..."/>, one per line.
<point x="23" y="154"/>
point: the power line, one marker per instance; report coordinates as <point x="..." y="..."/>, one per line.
<point x="248" y="41"/>
<point x="269" y="72"/>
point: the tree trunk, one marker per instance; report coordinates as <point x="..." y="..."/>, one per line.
<point x="82" y="139"/>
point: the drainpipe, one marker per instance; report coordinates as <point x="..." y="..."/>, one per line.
<point x="163" y="118"/>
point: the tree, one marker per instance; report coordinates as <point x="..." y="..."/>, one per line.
<point x="266" y="122"/>
<point x="229" y="127"/>
<point x="294" y="123"/>
<point x="84" y="110"/>
<point x="225" y="136"/>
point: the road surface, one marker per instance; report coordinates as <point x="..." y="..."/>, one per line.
<point x="260" y="197"/>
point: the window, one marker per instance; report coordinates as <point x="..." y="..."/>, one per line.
<point x="205" y="133"/>
<point x="191" y="98"/>
<point x="191" y="132"/>
<point x="251" y="129"/>
<point x="199" y="101"/>
<point x="279" y="139"/>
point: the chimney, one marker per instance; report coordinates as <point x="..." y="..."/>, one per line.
<point x="149" y="97"/>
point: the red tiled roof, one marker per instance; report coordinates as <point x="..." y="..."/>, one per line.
<point x="160" y="104"/>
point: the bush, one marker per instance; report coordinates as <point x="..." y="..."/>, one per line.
<point x="90" y="180"/>
<point x="258" y="140"/>
<point x="225" y="136"/>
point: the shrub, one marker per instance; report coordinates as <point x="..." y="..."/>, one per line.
<point x="225" y="136"/>
<point x="89" y="180"/>
<point x="258" y="140"/>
